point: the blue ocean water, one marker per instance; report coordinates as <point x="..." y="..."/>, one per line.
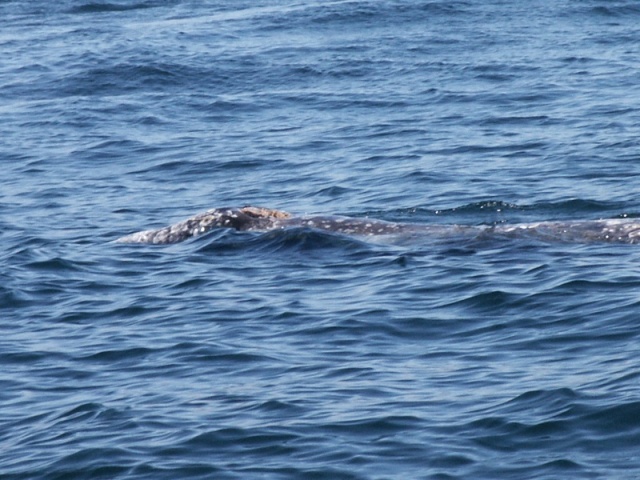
<point x="298" y="353"/>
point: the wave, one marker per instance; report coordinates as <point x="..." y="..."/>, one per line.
<point x="106" y="7"/>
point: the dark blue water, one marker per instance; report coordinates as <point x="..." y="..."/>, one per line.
<point x="300" y="354"/>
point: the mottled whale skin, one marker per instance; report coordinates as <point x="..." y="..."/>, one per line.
<point x="262" y="219"/>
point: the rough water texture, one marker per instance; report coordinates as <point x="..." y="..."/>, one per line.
<point x="482" y="351"/>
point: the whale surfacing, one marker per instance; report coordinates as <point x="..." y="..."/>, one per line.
<point x="246" y="218"/>
<point x="262" y="219"/>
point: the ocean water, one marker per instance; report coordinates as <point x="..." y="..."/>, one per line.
<point x="300" y="354"/>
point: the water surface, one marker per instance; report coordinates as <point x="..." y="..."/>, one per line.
<point x="299" y="353"/>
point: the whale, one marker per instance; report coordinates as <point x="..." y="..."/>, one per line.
<point x="262" y="219"/>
